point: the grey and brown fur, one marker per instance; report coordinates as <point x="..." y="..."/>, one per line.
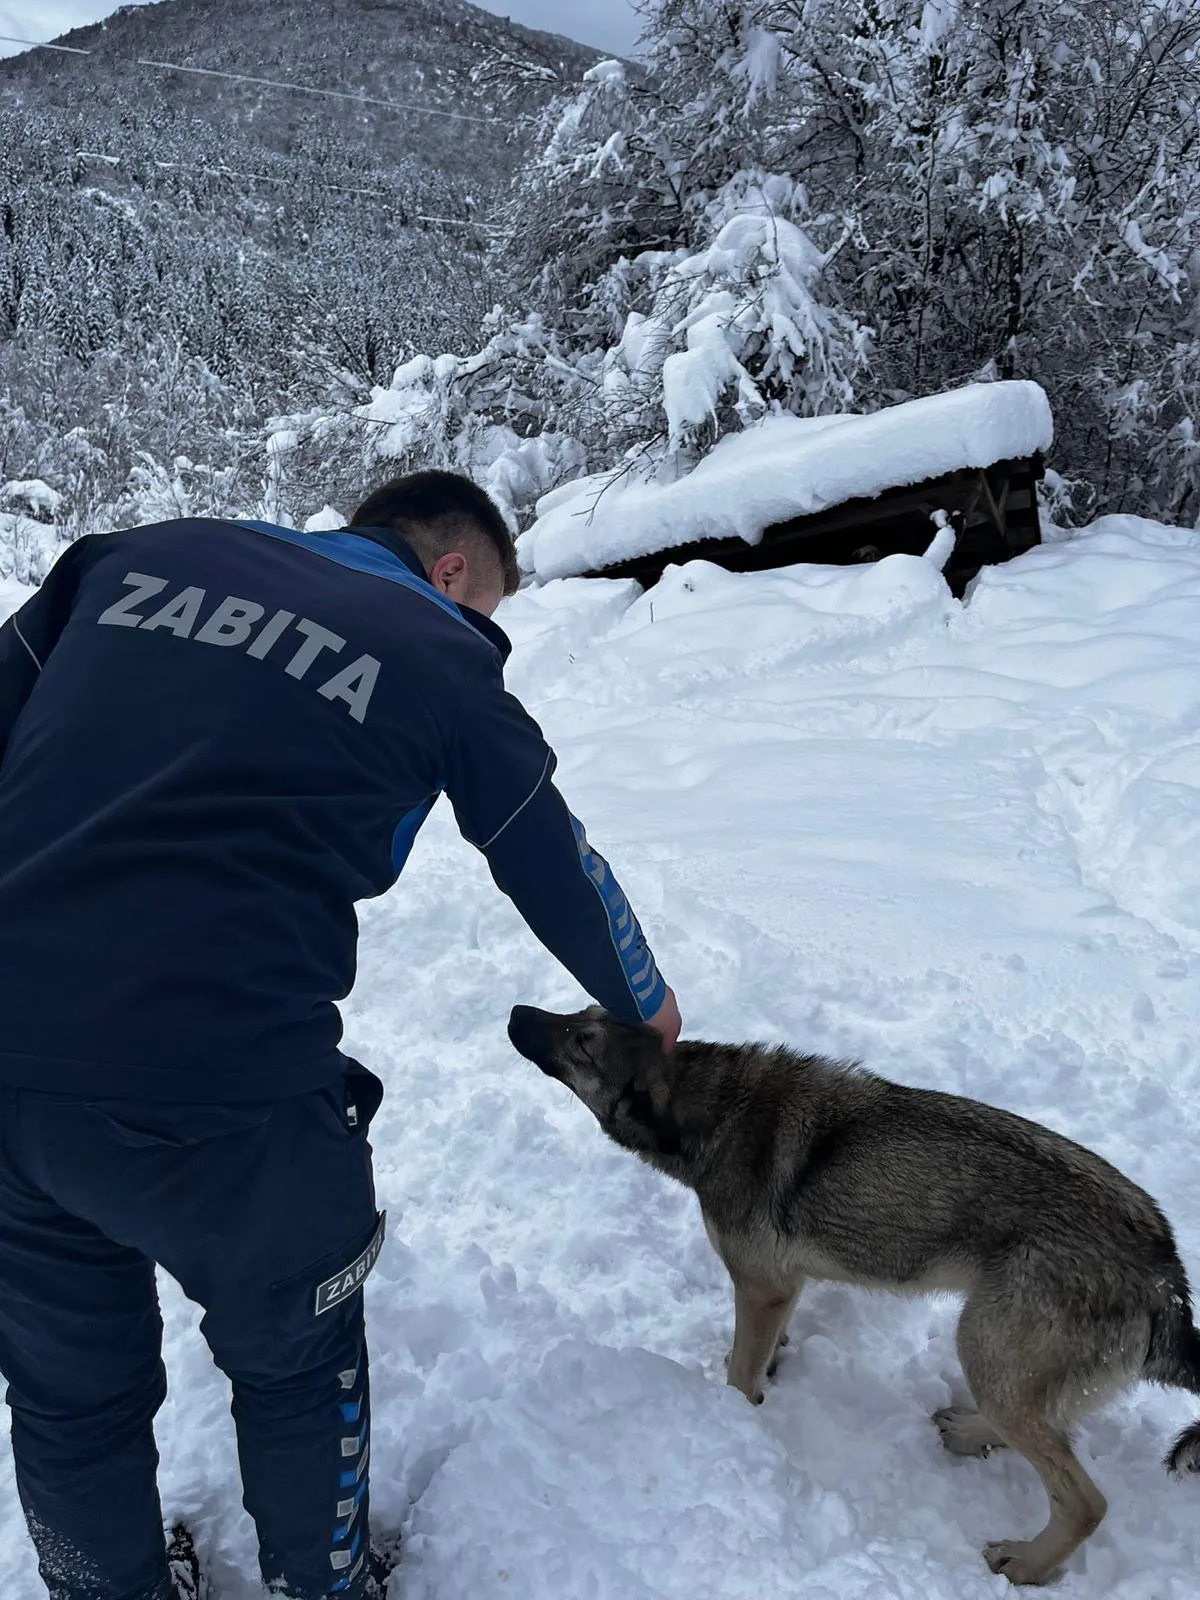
<point x="807" y="1168"/>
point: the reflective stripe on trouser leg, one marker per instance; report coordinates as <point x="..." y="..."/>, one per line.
<point x="303" y="1458"/>
<point x="348" y="1549"/>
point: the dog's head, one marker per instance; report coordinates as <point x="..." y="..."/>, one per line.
<point x="616" y="1068"/>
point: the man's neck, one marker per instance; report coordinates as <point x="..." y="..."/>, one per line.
<point x="393" y="544"/>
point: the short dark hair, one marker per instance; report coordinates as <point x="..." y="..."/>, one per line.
<point x="435" y="512"/>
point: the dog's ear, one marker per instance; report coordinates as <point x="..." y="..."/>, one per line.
<point x="650" y="1109"/>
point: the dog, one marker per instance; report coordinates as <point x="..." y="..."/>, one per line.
<point x="810" y="1168"/>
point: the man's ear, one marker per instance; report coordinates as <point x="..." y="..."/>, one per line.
<point x="450" y="574"/>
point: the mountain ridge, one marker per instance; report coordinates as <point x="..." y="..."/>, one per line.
<point x="183" y="256"/>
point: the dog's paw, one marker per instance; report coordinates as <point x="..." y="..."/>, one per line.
<point x="965" y="1433"/>
<point x="1013" y="1559"/>
<point x="779" y="1344"/>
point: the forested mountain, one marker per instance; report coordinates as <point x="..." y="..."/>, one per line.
<point x="218" y="295"/>
<point x="183" y="255"/>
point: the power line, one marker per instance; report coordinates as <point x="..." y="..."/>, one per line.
<point x="232" y="172"/>
<point x="268" y="83"/>
<point x="304" y="88"/>
<point x="67" y="49"/>
<point x="264" y="177"/>
<point x="459" y="222"/>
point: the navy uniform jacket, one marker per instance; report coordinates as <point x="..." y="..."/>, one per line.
<point x="215" y="738"/>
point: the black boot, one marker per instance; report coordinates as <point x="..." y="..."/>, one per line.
<point x="382" y="1557"/>
<point x="183" y="1563"/>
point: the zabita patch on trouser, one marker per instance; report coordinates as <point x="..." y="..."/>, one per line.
<point x="352" y="1277"/>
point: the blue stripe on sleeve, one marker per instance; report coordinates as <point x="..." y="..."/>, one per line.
<point x="637" y="963"/>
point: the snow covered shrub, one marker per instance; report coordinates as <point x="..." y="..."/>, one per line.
<point x="664" y="320"/>
<point x="738" y="328"/>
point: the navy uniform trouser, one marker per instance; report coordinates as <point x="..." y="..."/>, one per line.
<point x="265" y="1214"/>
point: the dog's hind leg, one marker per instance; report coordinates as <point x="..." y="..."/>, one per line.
<point x="1005" y="1361"/>
<point x="761" y="1311"/>
<point x="1076" y="1505"/>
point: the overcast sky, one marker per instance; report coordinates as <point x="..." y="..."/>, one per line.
<point x="607" y="24"/>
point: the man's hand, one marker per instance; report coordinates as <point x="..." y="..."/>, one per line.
<point x="667" y="1021"/>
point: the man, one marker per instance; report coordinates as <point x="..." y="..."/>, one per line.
<point x="215" y="737"/>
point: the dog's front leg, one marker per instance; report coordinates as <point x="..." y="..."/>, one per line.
<point x="761" y="1312"/>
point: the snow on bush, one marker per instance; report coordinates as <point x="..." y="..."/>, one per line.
<point x="31" y="495"/>
<point x="709" y="341"/>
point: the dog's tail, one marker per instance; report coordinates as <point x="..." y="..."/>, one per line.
<point x="1173" y="1359"/>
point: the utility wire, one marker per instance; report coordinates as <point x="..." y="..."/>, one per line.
<point x="267" y="83"/>
<point x="232" y="172"/>
<point x="34" y="44"/>
<point x="264" y="177"/>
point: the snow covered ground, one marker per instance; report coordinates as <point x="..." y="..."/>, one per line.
<point x="960" y="841"/>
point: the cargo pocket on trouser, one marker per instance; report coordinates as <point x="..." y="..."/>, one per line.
<point x="322" y="1294"/>
<point x="330" y="1186"/>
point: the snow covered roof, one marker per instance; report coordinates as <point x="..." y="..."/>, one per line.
<point x="784" y="467"/>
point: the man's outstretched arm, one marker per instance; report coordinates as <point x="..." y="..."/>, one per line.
<point x="500" y="785"/>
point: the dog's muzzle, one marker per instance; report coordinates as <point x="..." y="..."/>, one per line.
<point x="537" y="1036"/>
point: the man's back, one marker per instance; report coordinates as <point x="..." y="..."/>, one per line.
<point x="232" y="740"/>
<point x="215" y="738"/>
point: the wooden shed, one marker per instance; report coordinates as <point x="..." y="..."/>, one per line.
<point x="834" y="490"/>
<point x="993" y="510"/>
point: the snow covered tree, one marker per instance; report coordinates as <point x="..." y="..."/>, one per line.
<point x="1020" y="181"/>
<point x="661" y="315"/>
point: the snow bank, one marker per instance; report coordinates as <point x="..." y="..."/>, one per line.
<point x="959" y="841"/>
<point x="781" y="467"/>
<point x="27" y="547"/>
<point x="13" y="595"/>
<point x="34" y="495"/>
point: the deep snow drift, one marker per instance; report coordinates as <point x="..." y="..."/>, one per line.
<point x="960" y="841"/>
